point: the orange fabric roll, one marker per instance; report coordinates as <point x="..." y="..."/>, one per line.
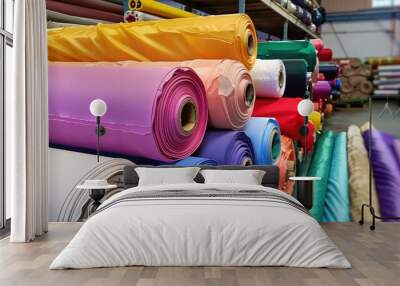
<point x="287" y="165"/>
<point x="209" y="37"/>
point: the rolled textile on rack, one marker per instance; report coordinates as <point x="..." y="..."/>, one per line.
<point x="162" y="116"/>
<point x="287" y="165"/>
<point x="337" y="201"/>
<point x="196" y="161"/>
<point x="227" y="147"/>
<point x="296" y="78"/>
<point x="233" y="37"/>
<point x="386" y="172"/>
<point x="383" y="60"/>
<point x="228" y="84"/>
<point x="359" y="174"/>
<point x="79" y="11"/>
<point x="325" y="55"/>
<point x="159" y="9"/>
<point x="269" y="77"/>
<point x="318" y="44"/>
<point x="64" y="18"/>
<point x="329" y="69"/>
<point x="316" y="118"/>
<point x="335" y="84"/>
<point x="141" y="16"/>
<point x="321" y="89"/>
<point x="284" y="110"/>
<point x="320" y="167"/>
<point x="286" y="50"/>
<point x="97" y="5"/>
<point x="265" y="135"/>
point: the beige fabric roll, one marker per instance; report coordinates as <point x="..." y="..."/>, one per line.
<point x="359" y="175"/>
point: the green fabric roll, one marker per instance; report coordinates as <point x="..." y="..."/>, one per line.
<point x="286" y="50"/>
<point x="320" y="167"/>
<point x="296" y="78"/>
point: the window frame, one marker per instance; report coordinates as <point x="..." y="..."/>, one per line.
<point x="6" y="39"/>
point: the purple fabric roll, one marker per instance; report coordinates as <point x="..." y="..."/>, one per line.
<point x="158" y="113"/>
<point x="227" y="147"/>
<point x="386" y="172"/>
<point x="321" y="90"/>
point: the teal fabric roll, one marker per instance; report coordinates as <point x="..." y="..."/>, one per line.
<point x="337" y="201"/>
<point x="265" y="137"/>
<point x="320" y="167"/>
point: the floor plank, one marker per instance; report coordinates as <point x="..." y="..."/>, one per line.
<point x="375" y="257"/>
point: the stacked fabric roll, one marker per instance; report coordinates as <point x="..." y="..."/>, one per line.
<point x="387" y="81"/>
<point x="83" y="12"/>
<point x="306" y="11"/>
<point x="356" y="85"/>
<point x="385" y="161"/>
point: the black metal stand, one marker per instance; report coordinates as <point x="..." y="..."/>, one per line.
<point x="96" y="195"/>
<point x="369" y="205"/>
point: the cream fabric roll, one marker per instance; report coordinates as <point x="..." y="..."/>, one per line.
<point x="269" y="78"/>
<point x="359" y="174"/>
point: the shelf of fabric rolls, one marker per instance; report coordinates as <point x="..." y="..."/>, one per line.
<point x="268" y="16"/>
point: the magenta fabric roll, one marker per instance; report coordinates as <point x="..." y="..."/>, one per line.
<point x="321" y="90"/>
<point x="158" y="113"/>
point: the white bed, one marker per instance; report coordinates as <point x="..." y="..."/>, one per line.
<point x="201" y="225"/>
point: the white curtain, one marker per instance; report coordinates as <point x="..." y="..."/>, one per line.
<point x="27" y="123"/>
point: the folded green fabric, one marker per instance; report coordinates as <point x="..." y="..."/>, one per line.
<point x="286" y="50"/>
<point x="320" y="167"/>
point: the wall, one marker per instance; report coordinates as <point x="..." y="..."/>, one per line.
<point x="363" y="34"/>
<point x="345" y="5"/>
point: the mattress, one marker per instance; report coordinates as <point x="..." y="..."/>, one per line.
<point x="201" y="225"/>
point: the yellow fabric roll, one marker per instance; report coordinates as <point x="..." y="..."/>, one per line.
<point x="315" y="118"/>
<point x="209" y="37"/>
<point x="158" y="9"/>
<point x="358" y="160"/>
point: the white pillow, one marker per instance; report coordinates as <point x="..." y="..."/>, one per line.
<point x="247" y="177"/>
<point x="166" y="176"/>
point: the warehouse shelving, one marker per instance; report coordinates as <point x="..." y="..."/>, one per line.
<point x="267" y="15"/>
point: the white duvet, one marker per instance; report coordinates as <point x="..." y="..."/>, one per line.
<point x="202" y="231"/>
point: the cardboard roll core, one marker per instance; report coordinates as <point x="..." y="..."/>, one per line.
<point x="281" y="78"/>
<point x="247" y="162"/>
<point x="249" y="95"/>
<point x="250" y="44"/>
<point x="188" y="117"/>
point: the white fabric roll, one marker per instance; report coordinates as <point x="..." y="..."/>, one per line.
<point x="269" y="78"/>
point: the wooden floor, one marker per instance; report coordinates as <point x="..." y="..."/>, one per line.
<point x="375" y="257"/>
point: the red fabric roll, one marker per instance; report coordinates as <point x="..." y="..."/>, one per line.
<point x="79" y="11"/>
<point x="285" y="112"/>
<point x="325" y="55"/>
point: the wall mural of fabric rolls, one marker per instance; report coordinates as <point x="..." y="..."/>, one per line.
<point x="234" y="37"/>
<point x="189" y="91"/>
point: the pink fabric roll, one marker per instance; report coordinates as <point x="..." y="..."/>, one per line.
<point x="229" y="89"/>
<point x="158" y="113"/>
<point x="318" y="44"/>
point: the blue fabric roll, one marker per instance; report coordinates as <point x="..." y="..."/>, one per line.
<point x="196" y="161"/>
<point x="337" y="202"/>
<point x="227" y="147"/>
<point x="265" y="137"/>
